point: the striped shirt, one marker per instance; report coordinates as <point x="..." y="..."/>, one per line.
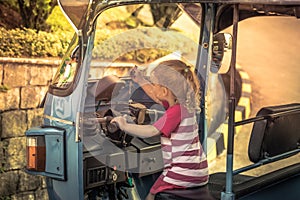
<point x="185" y="163"/>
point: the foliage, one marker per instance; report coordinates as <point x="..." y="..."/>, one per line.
<point x="5" y="198"/>
<point x="129" y="33"/>
<point x="142" y="45"/>
<point x="26" y="42"/>
<point x="29" y="43"/>
<point x="11" y="3"/>
<point x="34" y="13"/>
<point x="58" y="22"/>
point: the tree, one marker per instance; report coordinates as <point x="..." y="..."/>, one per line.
<point x="164" y="15"/>
<point x="34" y="13"/>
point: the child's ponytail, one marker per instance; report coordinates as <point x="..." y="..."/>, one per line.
<point x="182" y="81"/>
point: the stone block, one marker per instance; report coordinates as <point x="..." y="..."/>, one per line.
<point x="9" y="183"/>
<point x="41" y="194"/>
<point x="3" y="146"/>
<point x="14" y="124"/>
<point x="28" y="182"/>
<point x="15" y="153"/>
<point x="0" y="126"/>
<point x="10" y="99"/>
<point x="23" y="196"/>
<point x="34" y="117"/>
<point x="44" y="184"/>
<point x="40" y="75"/>
<point x="1" y="155"/>
<point x="15" y="75"/>
<point x="1" y="72"/>
<point x="30" y="97"/>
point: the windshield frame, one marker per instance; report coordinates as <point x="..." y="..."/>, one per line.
<point x="79" y="41"/>
<point x="73" y="50"/>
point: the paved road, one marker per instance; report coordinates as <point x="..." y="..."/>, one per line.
<point x="269" y="51"/>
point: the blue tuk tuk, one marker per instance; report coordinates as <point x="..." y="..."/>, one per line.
<point x="84" y="156"/>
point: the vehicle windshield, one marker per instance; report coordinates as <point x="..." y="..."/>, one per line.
<point x="126" y="36"/>
<point x="139" y="35"/>
<point x="131" y="36"/>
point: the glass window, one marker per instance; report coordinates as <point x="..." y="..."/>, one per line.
<point x="65" y="74"/>
<point x="127" y="36"/>
<point x="139" y="35"/>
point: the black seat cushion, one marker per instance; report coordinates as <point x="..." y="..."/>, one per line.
<point x="243" y="184"/>
<point x="198" y="193"/>
<point x="217" y="182"/>
<point x="278" y="133"/>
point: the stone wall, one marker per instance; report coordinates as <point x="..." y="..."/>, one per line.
<point x="23" y="84"/>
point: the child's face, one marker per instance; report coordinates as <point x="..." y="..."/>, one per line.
<point x="159" y="91"/>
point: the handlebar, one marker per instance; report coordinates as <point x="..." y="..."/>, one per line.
<point x="113" y="127"/>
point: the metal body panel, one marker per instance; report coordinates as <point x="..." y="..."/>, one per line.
<point x="67" y="108"/>
<point x="92" y="9"/>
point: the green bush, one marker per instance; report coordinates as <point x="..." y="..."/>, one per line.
<point x="29" y="43"/>
<point x="142" y="45"/>
<point x="58" y="22"/>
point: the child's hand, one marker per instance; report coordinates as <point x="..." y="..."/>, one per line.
<point x="121" y="121"/>
<point x="137" y="75"/>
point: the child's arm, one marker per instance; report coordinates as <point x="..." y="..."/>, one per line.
<point x="142" y="131"/>
<point x="148" y="88"/>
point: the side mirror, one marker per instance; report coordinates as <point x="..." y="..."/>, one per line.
<point x="222" y="47"/>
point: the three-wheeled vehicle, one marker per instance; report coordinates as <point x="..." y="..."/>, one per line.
<point x="84" y="156"/>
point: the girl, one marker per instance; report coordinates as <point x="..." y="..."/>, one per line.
<point x="175" y="86"/>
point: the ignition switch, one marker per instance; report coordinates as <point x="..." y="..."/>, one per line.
<point x="113" y="176"/>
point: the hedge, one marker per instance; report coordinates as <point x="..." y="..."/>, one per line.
<point x="29" y="43"/>
<point x="142" y="45"/>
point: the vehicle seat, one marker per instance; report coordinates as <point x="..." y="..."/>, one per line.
<point x="107" y="87"/>
<point x="197" y="193"/>
<point x="278" y="133"/>
<point x="274" y="134"/>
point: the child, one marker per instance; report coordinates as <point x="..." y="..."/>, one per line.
<point x="176" y="87"/>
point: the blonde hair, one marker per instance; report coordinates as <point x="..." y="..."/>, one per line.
<point x="181" y="80"/>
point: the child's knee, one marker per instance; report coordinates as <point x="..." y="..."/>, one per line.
<point x="150" y="196"/>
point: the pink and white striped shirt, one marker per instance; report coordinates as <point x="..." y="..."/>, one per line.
<point x="185" y="163"/>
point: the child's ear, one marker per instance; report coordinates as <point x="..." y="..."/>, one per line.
<point x="165" y="91"/>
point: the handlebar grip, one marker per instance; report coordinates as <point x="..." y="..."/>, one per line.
<point x="113" y="127"/>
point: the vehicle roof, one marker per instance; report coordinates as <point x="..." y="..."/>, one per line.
<point x="82" y="11"/>
<point x="282" y="2"/>
<point x="186" y="1"/>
